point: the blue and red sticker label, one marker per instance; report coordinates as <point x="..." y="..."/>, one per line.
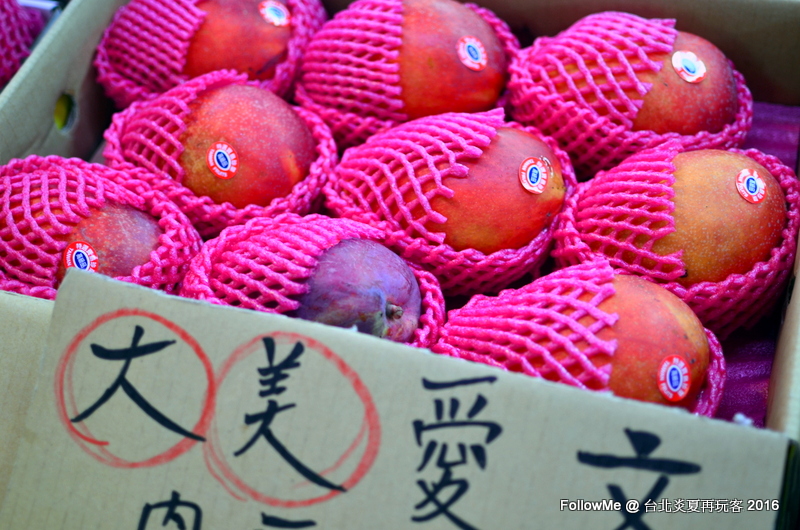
<point x="275" y="13"/>
<point x="534" y="172"/>
<point x="222" y="160"/>
<point x="472" y="53"/>
<point x="688" y="66"/>
<point x="674" y="379"/>
<point x="751" y="186"/>
<point x="81" y="255"/>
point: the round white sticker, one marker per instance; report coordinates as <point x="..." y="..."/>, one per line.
<point x="674" y="378"/>
<point x="275" y="13"/>
<point x="472" y="53"/>
<point x="751" y="186"/>
<point x="222" y="160"/>
<point x="81" y="255"/>
<point x="534" y="172"/>
<point x="688" y="66"/>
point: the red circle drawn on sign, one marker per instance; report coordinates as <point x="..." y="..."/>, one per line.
<point x="371" y="420"/>
<point x="65" y="396"/>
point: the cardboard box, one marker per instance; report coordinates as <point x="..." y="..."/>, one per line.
<point x="150" y="406"/>
<point x="366" y="433"/>
<point x="59" y="67"/>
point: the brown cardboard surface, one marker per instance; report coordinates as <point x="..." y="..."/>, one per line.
<point x="783" y="413"/>
<point x="61" y="63"/>
<point x="23" y="327"/>
<point x="357" y="412"/>
<point x="530" y="467"/>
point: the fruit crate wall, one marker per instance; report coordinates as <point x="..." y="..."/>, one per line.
<point x="58" y="78"/>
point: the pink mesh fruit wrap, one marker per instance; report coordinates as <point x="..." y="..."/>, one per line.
<point x="525" y="330"/>
<point x="143" y="51"/>
<point x="43" y="198"/>
<point x="378" y="183"/>
<point x="18" y="29"/>
<point x="264" y="264"/>
<point x="147" y="135"/>
<point x="598" y="134"/>
<point x="350" y="75"/>
<point x="636" y="197"/>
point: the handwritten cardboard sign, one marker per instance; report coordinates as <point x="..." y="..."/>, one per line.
<point x="153" y="411"/>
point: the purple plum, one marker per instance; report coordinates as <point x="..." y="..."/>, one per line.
<point x="360" y="283"/>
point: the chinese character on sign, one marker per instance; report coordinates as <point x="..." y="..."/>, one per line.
<point x="441" y="494"/>
<point x="270" y="380"/>
<point x="644" y="443"/>
<point x="173" y="509"/>
<point x="278" y="522"/>
<point x="127" y="355"/>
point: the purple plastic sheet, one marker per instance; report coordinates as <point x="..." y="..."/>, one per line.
<point x="749" y="353"/>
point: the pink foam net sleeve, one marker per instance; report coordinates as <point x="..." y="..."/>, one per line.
<point x="573" y="87"/>
<point x="143" y="51"/>
<point x="263" y="265"/>
<point x="622" y="212"/>
<point x="350" y="72"/>
<point x="381" y="183"/>
<point x="621" y="218"/>
<point x="43" y="198"/>
<point x="19" y="27"/>
<point x="147" y="135"/>
<point x="549" y="329"/>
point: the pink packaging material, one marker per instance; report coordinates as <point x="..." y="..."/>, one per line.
<point x="377" y="183"/>
<point x="147" y="135"/>
<point x="43" y="198"/>
<point x="143" y="51"/>
<point x="635" y="196"/>
<point x="350" y="75"/>
<point x="19" y="27"/>
<point x="600" y="135"/>
<point x="264" y="263"/>
<point x="520" y="330"/>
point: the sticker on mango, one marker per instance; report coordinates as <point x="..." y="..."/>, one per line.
<point x="81" y="255"/>
<point x="751" y="186"/>
<point x="222" y="160"/>
<point x="534" y="172"/>
<point x="275" y="13"/>
<point x="674" y="379"/>
<point x="472" y="53"/>
<point x="688" y="66"/>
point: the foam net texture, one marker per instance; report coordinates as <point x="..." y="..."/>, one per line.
<point x="573" y="87"/>
<point x="622" y="212"/>
<point x="19" y="27"/>
<point x="43" y="198"/>
<point x="379" y="183"/>
<point x="536" y="330"/>
<point x="264" y="265"/>
<point x="147" y="135"/>
<point x="350" y="73"/>
<point x="143" y="51"/>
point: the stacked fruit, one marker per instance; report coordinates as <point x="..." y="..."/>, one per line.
<point x="19" y="27"/>
<point x="579" y="206"/>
